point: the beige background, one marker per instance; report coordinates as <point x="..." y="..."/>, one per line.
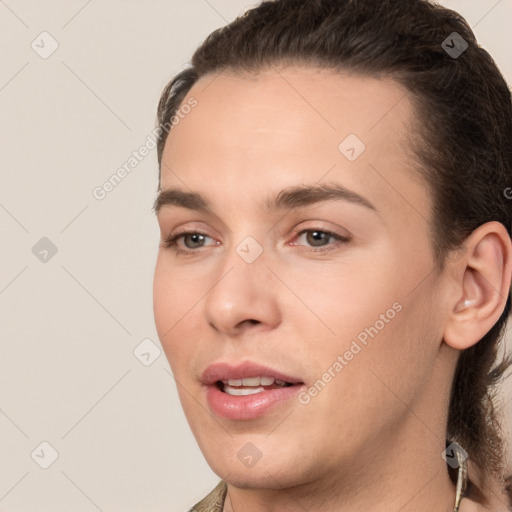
<point x="68" y="374"/>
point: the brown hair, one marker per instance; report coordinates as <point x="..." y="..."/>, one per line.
<point x="463" y="140"/>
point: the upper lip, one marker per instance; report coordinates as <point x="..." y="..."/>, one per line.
<point x="225" y="371"/>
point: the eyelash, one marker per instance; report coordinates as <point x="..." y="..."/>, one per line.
<point x="171" y="242"/>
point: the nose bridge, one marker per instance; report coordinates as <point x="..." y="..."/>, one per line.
<point x="246" y="255"/>
<point x="241" y="291"/>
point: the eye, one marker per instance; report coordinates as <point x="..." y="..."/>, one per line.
<point x="318" y="239"/>
<point x="191" y="239"/>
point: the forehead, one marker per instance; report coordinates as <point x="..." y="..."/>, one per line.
<point x="292" y="125"/>
<point x="301" y="99"/>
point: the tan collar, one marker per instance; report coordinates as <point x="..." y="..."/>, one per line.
<point x="214" y="502"/>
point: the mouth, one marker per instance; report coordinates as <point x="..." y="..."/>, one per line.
<point x="248" y="390"/>
<point x="250" y="385"/>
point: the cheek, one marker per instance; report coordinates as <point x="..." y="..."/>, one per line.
<point x="175" y="292"/>
<point x="163" y="298"/>
<point x="346" y="299"/>
<point x="396" y="358"/>
<point x="381" y="324"/>
<point x="173" y="301"/>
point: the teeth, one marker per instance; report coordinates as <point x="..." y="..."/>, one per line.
<point x="254" y="381"/>
<point x="250" y="385"/>
<point x="242" y="391"/>
<point x="251" y="381"/>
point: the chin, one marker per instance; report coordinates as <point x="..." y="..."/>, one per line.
<point x="274" y="473"/>
<point x="257" y="480"/>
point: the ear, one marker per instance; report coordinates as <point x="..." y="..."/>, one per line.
<point x="482" y="286"/>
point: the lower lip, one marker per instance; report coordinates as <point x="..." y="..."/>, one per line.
<point x="248" y="407"/>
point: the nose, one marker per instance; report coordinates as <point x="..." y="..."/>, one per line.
<point x="242" y="298"/>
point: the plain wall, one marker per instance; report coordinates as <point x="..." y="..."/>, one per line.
<point x="71" y="323"/>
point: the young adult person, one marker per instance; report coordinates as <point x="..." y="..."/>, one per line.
<point x="334" y="274"/>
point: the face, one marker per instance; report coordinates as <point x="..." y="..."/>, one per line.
<point x="306" y="259"/>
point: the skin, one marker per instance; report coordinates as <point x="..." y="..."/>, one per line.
<point x="372" y="439"/>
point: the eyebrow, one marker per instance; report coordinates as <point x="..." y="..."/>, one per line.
<point x="291" y="197"/>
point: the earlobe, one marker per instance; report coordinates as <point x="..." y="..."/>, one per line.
<point x="483" y="287"/>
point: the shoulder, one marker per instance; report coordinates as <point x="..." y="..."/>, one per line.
<point x="214" y="501"/>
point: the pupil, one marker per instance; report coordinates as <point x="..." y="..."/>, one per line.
<point x="195" y="239"/>
<point x="317" y="236"/>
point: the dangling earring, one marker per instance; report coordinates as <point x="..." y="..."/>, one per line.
<point x="462" y="477"/>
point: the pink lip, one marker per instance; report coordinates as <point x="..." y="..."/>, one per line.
<point x="224" y="371"/>
<point x="249" y="406"/>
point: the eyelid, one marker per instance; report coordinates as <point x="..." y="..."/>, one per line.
<point x="340" y="239"/>
<point x="171" y="241"/>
